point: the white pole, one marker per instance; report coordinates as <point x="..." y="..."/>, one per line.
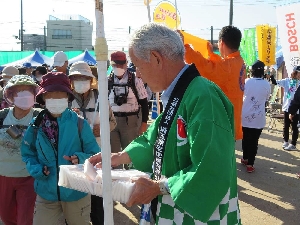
<point x="101" y="52"/>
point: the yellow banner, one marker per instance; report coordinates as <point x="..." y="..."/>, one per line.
<point x="266" y="44"/>
<point x="260" y="38"/>
<point x="165" y="12"/>
<point x="269" y="46"/>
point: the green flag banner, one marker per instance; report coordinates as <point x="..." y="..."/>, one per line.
<point x="250" y="52"/>
<point x="243" y="51"/>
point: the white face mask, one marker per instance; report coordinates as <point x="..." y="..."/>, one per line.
<point x="82" y="86"/>
<point x="56" y="106"/>
<point x="24" y="100"/>
<point x="118" y="71"/>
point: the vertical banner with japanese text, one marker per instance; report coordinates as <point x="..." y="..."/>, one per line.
<point x="260" y="39"/>
<point x="269" y="46"/>
<point x="266" y="44"/>
<point x="250" y="46"/>
<point x="288" y="19"/>
<point x="243" y="47"/>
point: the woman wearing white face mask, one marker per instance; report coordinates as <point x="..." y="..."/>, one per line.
<point x="16" y="185"/>
<point x="85" y="91"/>
<point x="58" y="141"/>
<point x="84" y="85"/>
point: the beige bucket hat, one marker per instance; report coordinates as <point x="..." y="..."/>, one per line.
<point x="83" y="69"/>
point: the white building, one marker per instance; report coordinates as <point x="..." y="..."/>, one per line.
<point x="69" y="33"/>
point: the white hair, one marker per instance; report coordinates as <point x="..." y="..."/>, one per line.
<point x="157" y="37"/>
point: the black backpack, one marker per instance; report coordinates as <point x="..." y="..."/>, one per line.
<point x="130" y="83"/>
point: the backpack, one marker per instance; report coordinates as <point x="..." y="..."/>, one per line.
<point x="130" y="83"/>
<point x="38" y="120"/>
<point x="96" y="94"/>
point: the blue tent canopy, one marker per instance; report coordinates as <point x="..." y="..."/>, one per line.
<point x="86" y="57"/>
<point x="36" y="59"/>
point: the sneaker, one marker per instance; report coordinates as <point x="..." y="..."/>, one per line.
<point x="285" y="145"/>
<point x="244" y="161"/>
<point x="250" y="169"/>
<point x="290" y="147"/>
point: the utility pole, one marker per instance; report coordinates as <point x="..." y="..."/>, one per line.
<point x="231" y="12"/>
<point x="21" y="32"/>
<point x="45" y="43"/>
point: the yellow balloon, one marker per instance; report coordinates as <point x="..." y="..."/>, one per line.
<point x="165" y="12"/>
<point x="145" y="2"/>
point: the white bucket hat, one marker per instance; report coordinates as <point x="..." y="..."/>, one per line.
<point x="83" y="69"/>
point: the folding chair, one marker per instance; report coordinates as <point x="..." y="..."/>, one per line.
<point x="275" y="115"/>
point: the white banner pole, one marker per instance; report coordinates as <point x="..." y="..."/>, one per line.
<point x="101" y="52"/>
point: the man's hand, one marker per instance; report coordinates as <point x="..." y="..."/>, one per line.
<point x="144" y="191"/>
<point x="95" y="159"/>
<point x="96" y="130"/>
<point x="73" y="159"/>
<point x="291" y="117"/>
<point x="143" y="128"/>
<point x="46" y="171"/>
<point x="116" y="159"/>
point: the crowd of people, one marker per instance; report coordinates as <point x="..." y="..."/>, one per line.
<point x="49" y="117"/>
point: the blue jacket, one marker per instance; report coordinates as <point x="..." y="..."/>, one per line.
<point x="46" y="155"/>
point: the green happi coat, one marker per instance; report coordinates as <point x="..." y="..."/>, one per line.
<point x="199" y="159"/>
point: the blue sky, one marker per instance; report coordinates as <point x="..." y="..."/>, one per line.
<point x="196" y="16"/>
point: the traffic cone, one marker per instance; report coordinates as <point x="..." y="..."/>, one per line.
<point x="154" y="109"/>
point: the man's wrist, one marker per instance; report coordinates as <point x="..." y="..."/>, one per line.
<point x="164" y="187"/>
<point x="124" y="157"/>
